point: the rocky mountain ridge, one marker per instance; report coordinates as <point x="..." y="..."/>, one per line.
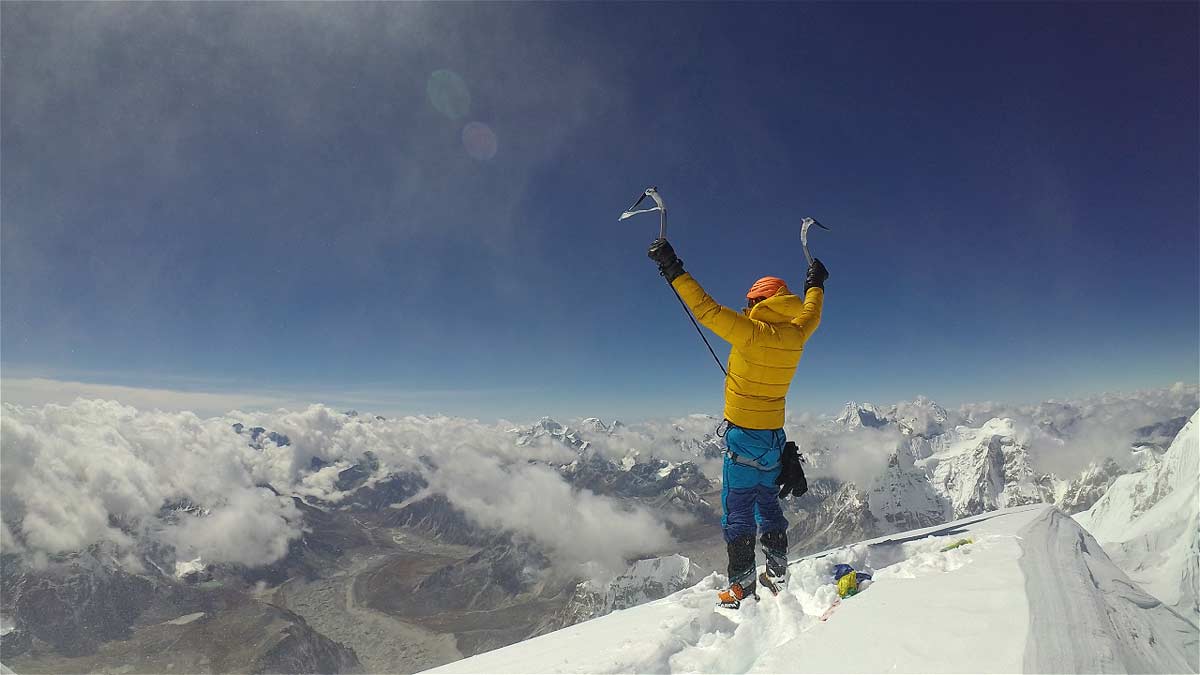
<point x="84" y="612"/>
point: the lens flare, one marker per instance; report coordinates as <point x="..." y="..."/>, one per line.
<point x="448" y="94"/>
<point x="479" y="140"/>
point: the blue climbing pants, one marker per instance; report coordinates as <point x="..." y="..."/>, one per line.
<point x="749" y="499"/>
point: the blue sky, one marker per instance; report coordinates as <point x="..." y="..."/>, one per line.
<point x="280" y="199"/>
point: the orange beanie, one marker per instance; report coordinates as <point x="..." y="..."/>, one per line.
<point x="765" y="288"/>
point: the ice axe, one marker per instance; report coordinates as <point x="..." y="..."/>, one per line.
<point x="651" y="192"/>
<point x="804" y="225"/>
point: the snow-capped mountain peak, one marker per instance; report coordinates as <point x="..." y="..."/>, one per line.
<point x="860" y="415"/>
<point x="983" y="469"/>
<point x="1149" y="522"/>
<point x="921" y="417"/>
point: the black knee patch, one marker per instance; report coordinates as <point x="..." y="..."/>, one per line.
<point x="776" y="541"/>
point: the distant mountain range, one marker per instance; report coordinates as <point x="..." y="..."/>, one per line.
<point x="390" y="542"/>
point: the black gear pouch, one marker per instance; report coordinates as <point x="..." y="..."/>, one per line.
<point x="791" y="473"/>
<point x="800" y="484"/>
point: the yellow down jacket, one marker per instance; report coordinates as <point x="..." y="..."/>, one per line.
<point x="766" y="346"/>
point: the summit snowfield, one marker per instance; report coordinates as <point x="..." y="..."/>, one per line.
<point x="1031" y="592"/>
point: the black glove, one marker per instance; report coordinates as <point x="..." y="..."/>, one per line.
<point x="791" y="472"/>
<point x="817" y="274"/>
<point x="669" y="264"/>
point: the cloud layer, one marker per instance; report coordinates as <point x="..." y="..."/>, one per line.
<point x="100" y="472"/>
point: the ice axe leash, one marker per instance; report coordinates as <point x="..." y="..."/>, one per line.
<point x="652" y="192"/>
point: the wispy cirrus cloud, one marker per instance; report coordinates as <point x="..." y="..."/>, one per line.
<point x="211" y="398"/>
<point x="35" y="391"/>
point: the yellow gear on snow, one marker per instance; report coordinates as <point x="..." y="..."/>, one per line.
<point x="766" y="346"/>
<point x="960" y="542"/>
<point x="848" y="584"/>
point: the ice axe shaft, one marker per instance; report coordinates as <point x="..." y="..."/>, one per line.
<point x="804" y="225"/>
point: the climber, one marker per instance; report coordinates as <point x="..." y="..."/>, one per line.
<point x="767" y="339"/>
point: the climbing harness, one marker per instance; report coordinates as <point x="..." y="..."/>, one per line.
<point x="752" y="462"/>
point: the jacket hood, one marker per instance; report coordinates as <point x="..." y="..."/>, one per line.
<point x="782" y="307"/>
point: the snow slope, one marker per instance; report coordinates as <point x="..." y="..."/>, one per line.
<point x="1149" y="523"/>
<point x="1007" y="602"/>
<point x="1078" y="595"/>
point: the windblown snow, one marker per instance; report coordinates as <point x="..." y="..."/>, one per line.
<point x="1031" y="592"/>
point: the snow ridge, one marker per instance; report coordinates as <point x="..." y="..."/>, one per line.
<point x="1149" y="523"/>
<point x="1007" y="601"/>
<point x="1086" y="615"/>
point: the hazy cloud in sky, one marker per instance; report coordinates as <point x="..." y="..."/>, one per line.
<point x="209" y="399"/>
<point x="225" y="76"/>
<point x="33" y="391"/>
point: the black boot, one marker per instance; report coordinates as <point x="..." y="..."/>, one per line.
<point x="775" y="546"/>
<point x="741" y="559"/>
<point x="741" y="573"/>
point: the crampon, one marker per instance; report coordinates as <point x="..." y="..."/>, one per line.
<point x="775" y="584"/>
<point x="732" y="597"/>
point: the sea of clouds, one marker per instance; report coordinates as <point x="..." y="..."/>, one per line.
<point x="99" y="472"/>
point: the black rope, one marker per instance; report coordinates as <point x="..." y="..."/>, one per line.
<point x="689" y="315"/>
